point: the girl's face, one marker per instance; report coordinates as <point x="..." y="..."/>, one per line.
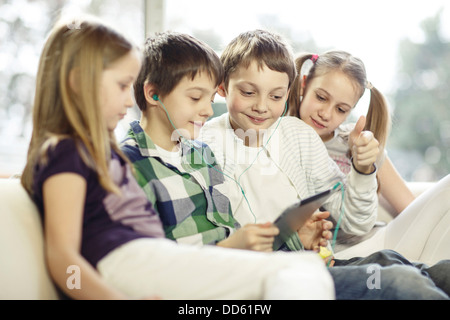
<point x="115" y="89"/>
<point x="327" y="102"/>
<point x="255" y="97"/>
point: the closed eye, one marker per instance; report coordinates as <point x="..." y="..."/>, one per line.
<point x="247" y="93"/>
<point x="277" y="97"/>
<point x="342" y="110"/>
<point x="320" y="98"/>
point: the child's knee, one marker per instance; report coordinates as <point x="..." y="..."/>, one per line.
<point x="408" y="283"/>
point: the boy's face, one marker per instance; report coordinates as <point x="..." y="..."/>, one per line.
<point x="255" y="97"/>
<point x="189" y="106"/>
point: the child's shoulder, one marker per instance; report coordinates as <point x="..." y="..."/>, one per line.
<point x="219" y="122"/>
<point x="294" y="124"/>
<point x="131" y="149"/>
<point x="63" y="154"/>
<point x="134" y="134"/>
<point x="60" y="146"/>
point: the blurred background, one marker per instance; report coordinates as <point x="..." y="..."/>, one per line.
<point x="405" y="46"/>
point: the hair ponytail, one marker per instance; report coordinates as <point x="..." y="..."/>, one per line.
<point x="378" y="119"/>
<point x="296" y="88"/>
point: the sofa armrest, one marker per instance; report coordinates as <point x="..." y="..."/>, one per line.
<point x="23" y="273"/>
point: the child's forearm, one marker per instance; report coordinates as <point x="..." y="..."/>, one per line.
<point x="360" y="203"/>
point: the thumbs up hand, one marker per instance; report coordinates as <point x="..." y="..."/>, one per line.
<point x="364" y="147"/>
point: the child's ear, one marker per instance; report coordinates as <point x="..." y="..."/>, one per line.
<point x="221" y="90"/>
<point x="302" y="85"/>
<point x="149" y="93"/>
<point x="74" y="80"/>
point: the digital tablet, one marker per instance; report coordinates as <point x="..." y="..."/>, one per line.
<point x="295" y="216"/>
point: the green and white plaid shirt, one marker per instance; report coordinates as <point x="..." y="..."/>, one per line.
<point x="187" y="197"/>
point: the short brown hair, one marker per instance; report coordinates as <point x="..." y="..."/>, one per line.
<point x="261" y="46"/>
<point x="169" y="57"/>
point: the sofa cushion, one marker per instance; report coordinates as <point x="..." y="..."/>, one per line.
<point x="23" y="274"/>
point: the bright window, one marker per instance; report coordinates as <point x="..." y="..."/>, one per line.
<point x="23" y="28"/>
<point x="405" y="46"/>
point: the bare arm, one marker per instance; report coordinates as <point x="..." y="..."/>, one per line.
<point x="64" y="197"/>
<point x="393" y="188"/>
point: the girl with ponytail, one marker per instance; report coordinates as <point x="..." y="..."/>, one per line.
<point x="324" y="93"/>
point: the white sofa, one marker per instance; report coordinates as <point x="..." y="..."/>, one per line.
<point x="23" y="274"/>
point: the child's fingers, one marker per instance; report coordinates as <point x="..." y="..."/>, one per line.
<point x="367" y="162"/>
<point x="327" y="235"/>
<point x="320" y="215"/>
<point x="329" y="261"/>
<point x="327" y="225"/>
<point x="367" y="136"/>
<point x="266" y="230"/>
<point x="366" y="150"/>
<point x="323" y="242"/>
<point x="366" y="158"/>
<point x="263" y="243"/>
<point x="364" y="139"/>
<point x="264" y="225"/>
<point x="366" y="153"/>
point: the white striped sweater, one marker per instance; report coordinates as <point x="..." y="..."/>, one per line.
<point x="301" y="155"/>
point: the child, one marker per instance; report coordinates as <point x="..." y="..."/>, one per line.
<point x="174" y="90"/>
<point x="257" y="146"/>
<point x="97" y="220"/>
<point x="326" y="90"/>
<point x="325" y="110"/>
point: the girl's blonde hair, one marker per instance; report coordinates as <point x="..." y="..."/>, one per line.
<point x="378" y="118"/>
<point x="67" y="101"/>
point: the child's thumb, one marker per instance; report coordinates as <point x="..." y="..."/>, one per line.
<point x="359" y="127"/>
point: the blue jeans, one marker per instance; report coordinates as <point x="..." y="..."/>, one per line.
<point x="386" y="275"/>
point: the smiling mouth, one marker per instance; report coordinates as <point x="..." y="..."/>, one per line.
<point x="256" y="120"/>
<point x="199" y="124"/>
<point x="317" y="124"/>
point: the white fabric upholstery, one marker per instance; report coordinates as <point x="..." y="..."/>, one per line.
<point x="23" y="274"/>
